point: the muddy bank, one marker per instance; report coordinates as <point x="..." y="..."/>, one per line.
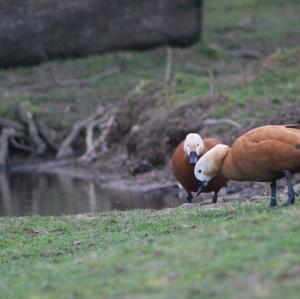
<point x="142" y="142"/>
<point x="138" y="138"/>
<point x="136" y="135"/>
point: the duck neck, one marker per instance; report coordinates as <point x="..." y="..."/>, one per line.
<point x="229" y="169"/>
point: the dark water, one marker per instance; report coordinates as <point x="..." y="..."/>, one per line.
<point x="44" y="194"/>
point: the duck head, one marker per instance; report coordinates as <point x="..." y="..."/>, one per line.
<point x="193" y="147"/>
<point x="209" y="165"/>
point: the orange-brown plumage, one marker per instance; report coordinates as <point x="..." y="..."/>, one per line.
<point x="184" y="171"/>
<point x="264" y="154"/>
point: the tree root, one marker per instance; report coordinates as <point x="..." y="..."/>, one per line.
<point x="6" y="135"/>
<point x="98" y="146"/>
<point x="29" y="136"/>
<point x="98" y="123"/>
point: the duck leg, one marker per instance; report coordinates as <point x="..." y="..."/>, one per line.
<point x="215" y="197"/>
<point x="291" y="191"/>
<point x="273" y="202"/>
<point x="189" y="197"/>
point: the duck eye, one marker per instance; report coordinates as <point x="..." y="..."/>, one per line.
<point x="199" y="170"/>
<point x="198" y="144"/>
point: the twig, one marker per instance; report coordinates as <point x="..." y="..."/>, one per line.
<point x="168" y="65"/>
<point x="212" y="85"/>
<point x="72" y="82"/>
<point x="137" y="89"/>
<point x="246" y="53"/>
<point x="222" y="121"/>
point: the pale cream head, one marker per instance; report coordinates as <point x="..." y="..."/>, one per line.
<point x="209" y="165"/>
<point x="193" y="143"/>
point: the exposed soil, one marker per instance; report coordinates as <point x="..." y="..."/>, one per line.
<point x="141" y="141"/>
<point x="148" y="142"/>
<point x="140" y="147"/>
<point x="149" y="145"/>
<point x="289" y="115"/>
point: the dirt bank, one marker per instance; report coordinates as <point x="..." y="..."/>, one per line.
<point x="139" y="147"/>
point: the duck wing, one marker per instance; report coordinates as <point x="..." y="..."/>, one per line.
<point x="267" y="149"/>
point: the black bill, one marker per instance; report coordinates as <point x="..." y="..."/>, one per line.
<point x="193" y="158"/>
<point x="201" y="186"/>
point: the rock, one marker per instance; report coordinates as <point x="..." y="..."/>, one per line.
<point x="39" y="30"/>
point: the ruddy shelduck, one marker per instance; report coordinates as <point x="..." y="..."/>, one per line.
<point x="184" y="159"/>
<point x="264" y="154"/>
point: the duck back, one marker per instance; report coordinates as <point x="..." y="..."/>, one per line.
<point x="262" y="154"/>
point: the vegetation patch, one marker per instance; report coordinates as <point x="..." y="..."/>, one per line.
<point x="229" y="251"/>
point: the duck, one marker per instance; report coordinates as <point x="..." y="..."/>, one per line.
<point x="184" y="159"/>
<point x="263" y="154"/>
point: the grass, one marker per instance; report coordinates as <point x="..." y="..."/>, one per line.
<point x="252" y="22"/>
<point x="235" y="251"/>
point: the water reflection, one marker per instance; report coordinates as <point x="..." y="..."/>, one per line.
<point x="44" y="194"/>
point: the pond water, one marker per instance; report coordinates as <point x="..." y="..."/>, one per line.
<point x="45" y="194"/>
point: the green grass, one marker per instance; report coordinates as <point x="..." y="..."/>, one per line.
<point x="251" y="22"/>
<point x="282" y="84"/>
<point x="235" y="251"/>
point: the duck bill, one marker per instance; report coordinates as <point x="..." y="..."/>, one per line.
<point x="201" y="186"/>
<point x="193" y="158"/>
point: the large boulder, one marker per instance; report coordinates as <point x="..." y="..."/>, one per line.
<point x="38" y="30"/>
